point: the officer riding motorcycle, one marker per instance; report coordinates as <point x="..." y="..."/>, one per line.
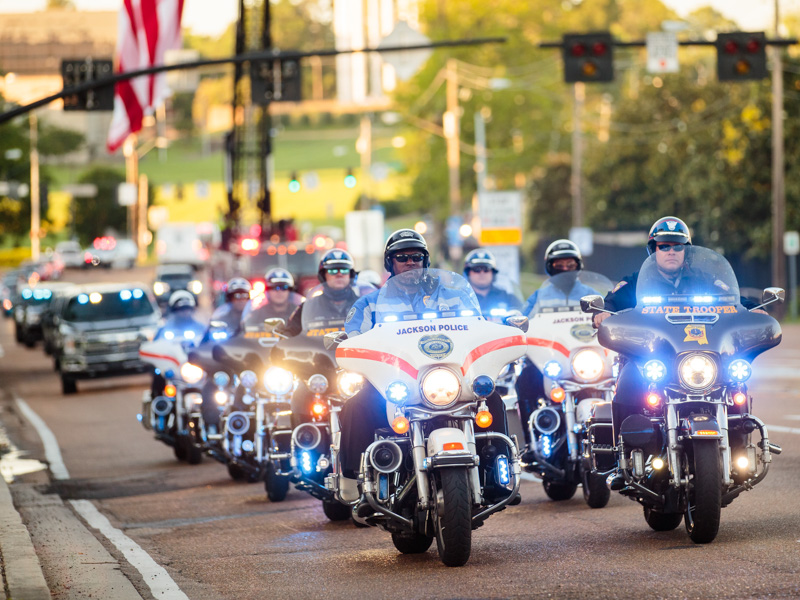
<point x="480" y="269"/>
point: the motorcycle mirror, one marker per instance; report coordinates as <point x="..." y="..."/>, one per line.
<point x="518" y="321"/>
<point x="331" y="340"/>
<point x="273" y="322"/>
<point x="592" y="303"/>
<point x="773" y="294"/>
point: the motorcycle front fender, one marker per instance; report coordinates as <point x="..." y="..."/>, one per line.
<point x="703" y="427"/>
<point x="448" y="440"/>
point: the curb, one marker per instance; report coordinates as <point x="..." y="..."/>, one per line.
<point x="22" y="570"/>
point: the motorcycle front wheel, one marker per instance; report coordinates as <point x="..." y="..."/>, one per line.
<point x="659" y="521"/>
<point x="559" y="491"/>
<point x="412" y="544"/>
<point x="704" y="496"/>
<point x="595" y="491"/>
<point x="453" y="516"/>
<point x="336" y="511"/>
<point x="277" y="486"/>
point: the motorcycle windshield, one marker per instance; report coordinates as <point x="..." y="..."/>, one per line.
<point x="563" y="292"/>
<point x="260" y="308"/>
<point x="423" y="294"/>
<point x="694" y="278"/>
<point x="504" y="298"/>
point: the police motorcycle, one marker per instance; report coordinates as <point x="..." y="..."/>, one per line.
<point x="424" y="479"/>
<point x="578" y="383"/>
<point x="325" y="388"/>
<point x="169" y="408"/>
<point x="690" y="451"/>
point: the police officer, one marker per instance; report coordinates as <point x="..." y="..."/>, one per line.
<point x="278" y="300"/>
<point x="480" y="269"/>
<point x="405" y="253"/>
<point x="237" y="295"/>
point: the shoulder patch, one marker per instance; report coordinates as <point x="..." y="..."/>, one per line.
<point x="619" y="285"/>
<point x="351" y="313"/>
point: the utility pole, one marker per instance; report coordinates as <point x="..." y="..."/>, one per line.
<point x="451" y="132"/>
<point x="778" y="169"/>
<point x="35" y="200"/>
<point x="576" y="183"/>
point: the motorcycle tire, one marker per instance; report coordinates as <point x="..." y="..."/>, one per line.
<point x="704" y="497"/>
<point x="68" y="385"/>
<point x="659" y="521"/>
<point x="358" y="524"/>
<point x="336" y="511"/>
<point x="595" y="491"/>
<point x="411" y="544"/>
<point x="454" y="517"/>
<point x="277" y="486"/>
<point x="194" y="454"/>
<point x="236" y="472"/>
<point x="180" y="447"/>
<point x="559" y="491"/>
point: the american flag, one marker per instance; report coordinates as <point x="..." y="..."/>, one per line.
<point x="146" y="30"/>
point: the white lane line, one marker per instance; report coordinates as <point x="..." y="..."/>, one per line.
<point x="782" y="429"/>
<point x="155" y="576"/>
<point x="51" y="450"/>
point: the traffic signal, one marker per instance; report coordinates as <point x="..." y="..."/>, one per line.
<point x="588" y="57"/>
<point x="350" y="179"/>
<point x="741" y="56"/>
<point x="294" y="183"/>
<point x="78" y="72"/>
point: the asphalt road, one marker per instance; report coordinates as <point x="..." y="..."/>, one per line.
<point x="217" y="538"/>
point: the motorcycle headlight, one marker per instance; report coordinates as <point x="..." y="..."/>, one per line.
<point x="278" y="382"/>
<point x="654" y="370"/>
<point x="440" y="387"/>
<point x="221" y="379"/>
<point x="248" y="379"/>
<point x="318" y="383"/>
<point x="587" y="364"/>
<point x="191" y="373"/>
<point x="160" y="288"/>
<point x="552" y="369"/>
<point x="697" y="371"/>
<point x="397" y="392"/>
<point x="195" y="287"/>
<point x="740" y="370"/>
<point x="349" y="383"/>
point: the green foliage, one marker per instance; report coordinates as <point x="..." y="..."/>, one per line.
<point x="55" y="141"/>
<point x="94" y="216"/>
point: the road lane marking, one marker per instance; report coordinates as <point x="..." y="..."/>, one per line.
<point x="155" y="576"/>
<point x="782" y="429"/>
<point x="51" y="450"/>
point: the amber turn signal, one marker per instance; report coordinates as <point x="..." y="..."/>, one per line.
<point x="400" y="425"/>
<point x="170" y="390"/>
<point x="483" y="419"/>
<point x="557" y="394"/>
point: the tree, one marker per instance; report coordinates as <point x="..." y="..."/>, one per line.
<point x="94" y="216"/>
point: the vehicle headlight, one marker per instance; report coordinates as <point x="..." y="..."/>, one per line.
<point x="221" y="379"/>
<point x="195" y="287"/>
<point x="160" y="288"/>
<point x="740" y="370"/>
<point x="654" y="370"/>
<point x="349" y="383"/>
<point x="697" y="371"/>
<point x="397" y="392"/>
<point x="552" y="369"/>
<point x="191" y="373"/>
<point x="587" y="364"/>
<point x="248" y="379"/>
<point x="278" y="382"/>
<point x="440" y="387"/>
<point x="318" y="383"/>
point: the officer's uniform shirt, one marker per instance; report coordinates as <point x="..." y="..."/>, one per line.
<point x="498" y="298"/>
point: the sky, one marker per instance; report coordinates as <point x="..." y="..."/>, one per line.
<point x="752" y="15"/>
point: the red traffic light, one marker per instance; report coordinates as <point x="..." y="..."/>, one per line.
<point x="599" y="48"/>
<point x="731" y="47"/>
<point x="578" y="50"/>
<point x="753" y="45"/>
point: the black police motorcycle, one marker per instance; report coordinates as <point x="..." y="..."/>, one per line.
<point x="689" y="451"/>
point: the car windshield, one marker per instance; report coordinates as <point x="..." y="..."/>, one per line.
<point x="696" y="276"/>
<point x="106" y="306"/>
<point x="425" y="294"/>
<point x="563" y="291"/>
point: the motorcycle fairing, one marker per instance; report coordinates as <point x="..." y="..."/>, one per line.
<point x="164" y="355"/>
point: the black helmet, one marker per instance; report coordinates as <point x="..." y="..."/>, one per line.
<point x="668" y="229"/>
<point x="479" y="258"/>
<point x="405" y="239"/>
<point x="561" y="249"/>
<point x="277" y="276"/>
<point x="336" y="259"/>
<point x="237" y="285"/>
<point x="181" y="299"/>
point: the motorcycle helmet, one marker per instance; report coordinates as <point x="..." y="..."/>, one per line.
<point x="180" y="300"/>
<point x="561" y="249"/>
<point x="369" y="277"/>
<point x="336" y="259"/>
<point x="237" y="285"/>
<point x="405" y="239"/>
<point x="479" y="258"/>
<point x="668" y="229"/>
<point x="277" y="277"/>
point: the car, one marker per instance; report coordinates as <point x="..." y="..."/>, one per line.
<point x="33" y="304"/>
<point x="8" y="290"/>
<point x="171" y="278"/>
<point x="125" y="254"/>
<point x="70" y="254"/>
<point x="99" y="328"/>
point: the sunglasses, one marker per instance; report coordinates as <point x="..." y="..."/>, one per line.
<point x="404" y="258"/>
<point x="240" y="296"/>
<point x="480" y="269"/>
<point x="668" y="247"/>
<point x="337" y="271"/>
<point x="281" y="287"/>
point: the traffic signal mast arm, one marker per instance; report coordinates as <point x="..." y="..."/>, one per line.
<point x="269" y="55"/>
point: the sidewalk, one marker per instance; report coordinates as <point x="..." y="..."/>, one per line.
<point x="22" y="572"/>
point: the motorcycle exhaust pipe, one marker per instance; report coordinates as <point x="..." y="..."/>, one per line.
<point x="385" y="456"/>
<point x="238" y="423"/>
<point x="161" y="406"/>
<point x="546" y="420"/>
<point x="306" y="436"/>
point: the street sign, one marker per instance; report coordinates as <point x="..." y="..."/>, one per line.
<point x="405" y="62"/>
<point x="583" y="238"/>
<point x="662" y="52"/>
<point x="791" y="243"/>
<point x="127" y="194"/>
<point x="501" y="218"/>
